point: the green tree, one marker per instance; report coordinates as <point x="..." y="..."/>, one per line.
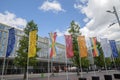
<point x="22" y="52"/>
<point x="100" y="61"/>
<point x="74" y="30"/>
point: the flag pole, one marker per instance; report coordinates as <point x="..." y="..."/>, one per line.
<point x="48" y="68"/>
<point x="80" y="61"/>
<point x="93" y="61"/>
<point x="113" y="55"/>
<point x="27" y="67"/>
<point x="114" y="62"/>
<point x="105" y="65"/>
<point x="48" y="63"/>
<point x="66" y="65"/>
<point x="28" y="57"/>
<point x="4" y="57"/>
<point x="3" y="67"/>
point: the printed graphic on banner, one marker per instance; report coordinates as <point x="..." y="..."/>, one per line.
<point x="94" y="47"/>
<point x="11" y="42"/>
<point x="114" y="48"/>
<point x="82" y="46"/>
<point x="53" y="42"/>
<point x="69" y="46"/>
<point x="32" y="44"/>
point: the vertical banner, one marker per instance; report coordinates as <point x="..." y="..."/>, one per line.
<point x="82" y="46"/>
<point x="94" y="46"/>
<point x="32" y="44"/>
<point x="11" y="42"/>
<point x="106" y="47"/>
<point x="53" y="42"/>
<point x="69" y="46"/>
<point x="114" y="48"/>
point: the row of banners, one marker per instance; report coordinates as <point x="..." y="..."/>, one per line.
<point x="109" y="47"/>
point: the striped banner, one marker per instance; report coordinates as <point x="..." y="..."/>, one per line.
<point x="53" y="42"/>
<point x="94" y="47"/>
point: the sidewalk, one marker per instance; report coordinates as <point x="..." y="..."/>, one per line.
<point x="38" y="75"/>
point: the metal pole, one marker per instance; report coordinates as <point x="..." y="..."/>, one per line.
<point x="115" y="12"/>
<point x="4" y="56"/>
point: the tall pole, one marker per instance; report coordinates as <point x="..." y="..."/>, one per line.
<point x="3" y="68"/>
<point x="115" y="12"/>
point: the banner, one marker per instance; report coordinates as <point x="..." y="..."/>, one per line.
<point x="114" y="48"/>
<point x="11" y="42"/>
<point x="94" y="47"/>
<point x="106" y="47"/>
<point x="69" y="46"/>
<point x="32" y="44"/>
<point x="82" y="46"/>
<point x="53" y="42"/>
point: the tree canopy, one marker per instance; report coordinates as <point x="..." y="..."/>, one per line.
<point x="22" y="52"/>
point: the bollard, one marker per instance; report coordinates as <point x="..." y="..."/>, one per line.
<point x="108" y="77"/>
<point x="95" y="78"/>
<point x="117" y="76"/>
<point x="82" y="79"/>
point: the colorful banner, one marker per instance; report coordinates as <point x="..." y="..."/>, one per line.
<point x="114" y="48"/>
<point x="53" y="42"/>
<point x="69" y="46"/>
<point x="82" y="46"/>
<point x="11" y="42"/>
<point x="94" y="47"/>
<point x="32" y="44"/>
<point x="106" y="47"/>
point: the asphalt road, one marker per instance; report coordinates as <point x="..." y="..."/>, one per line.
<point x="63" y="76"/>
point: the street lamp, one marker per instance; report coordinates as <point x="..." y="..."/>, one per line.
<point x="115" y="12"/>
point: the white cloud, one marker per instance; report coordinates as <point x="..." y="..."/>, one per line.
<point x="86" y="19"/>
<point x="62" y="33"/>
<point x="10" y="19"/>
<point x="99" y="19"/>
<point x="51" y="6"/>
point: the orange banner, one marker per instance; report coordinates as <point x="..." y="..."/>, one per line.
<point x="82" y="46"/>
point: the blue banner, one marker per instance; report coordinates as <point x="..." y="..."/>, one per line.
<point x="114" y="48"/>
<point x="11" y="41"/>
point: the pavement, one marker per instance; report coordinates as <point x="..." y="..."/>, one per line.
<point x="63" y="75"/>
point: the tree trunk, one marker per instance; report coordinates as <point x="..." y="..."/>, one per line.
<point x="25" y="73"/>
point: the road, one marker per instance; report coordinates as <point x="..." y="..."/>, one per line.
<point x="62" y="76"/>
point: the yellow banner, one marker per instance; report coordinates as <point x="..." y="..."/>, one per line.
<point x="32" y="44"/>
<point x="82" y="46"/>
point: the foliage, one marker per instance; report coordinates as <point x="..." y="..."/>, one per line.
<point x="22" y="52"/>
<point x="85" y="62"/>
<point x="74" y="30"/>
<point x="100" y="61"/>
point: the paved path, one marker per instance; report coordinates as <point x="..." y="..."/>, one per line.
<point x="62" y="76"/>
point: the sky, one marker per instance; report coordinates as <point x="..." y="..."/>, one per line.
<point x="56" y="16"/>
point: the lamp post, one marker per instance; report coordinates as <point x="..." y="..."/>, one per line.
<point x="115" y="12"/>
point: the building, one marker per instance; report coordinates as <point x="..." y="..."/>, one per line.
<point x="43" y="55"/>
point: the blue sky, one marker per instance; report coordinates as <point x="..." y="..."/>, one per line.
<point x="56" y="15"/>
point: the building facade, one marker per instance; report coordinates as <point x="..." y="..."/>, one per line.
<point x="44" y="63"/>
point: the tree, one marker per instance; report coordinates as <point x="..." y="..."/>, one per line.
<point x="100" y="60"/>
<point x="74" y="30"/>
<point x="22" y="52"/>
